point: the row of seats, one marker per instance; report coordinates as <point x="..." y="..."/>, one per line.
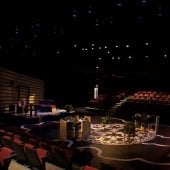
<point x="6" y="154"/>
<point x="36" y="153"/>
<point x="151" y="96"/>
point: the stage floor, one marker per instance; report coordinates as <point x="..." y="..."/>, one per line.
<point x="153" y="154"/>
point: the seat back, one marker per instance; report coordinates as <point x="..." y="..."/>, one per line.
<point x="87" y="167"/>
<point x="18" y="147"/>
<point x="32" y="156"/>
<point x="6" y="155"/>
<point x="7" y="141"/>
<point x="2" y="132"/>
<point x="60" y="158"/>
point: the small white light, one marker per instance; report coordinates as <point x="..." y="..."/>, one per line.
<point x="74" y="15"/>
<point x="26" y="46"/>
<point x="146" y="43"/>
<point x="165" y="55"/>
<point x="143" y="1"/>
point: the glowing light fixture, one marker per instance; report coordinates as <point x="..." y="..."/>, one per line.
<point x="31" y="99"/>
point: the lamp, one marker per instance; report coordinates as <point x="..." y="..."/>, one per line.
<point x="31" y="102"/>
<point x="31" y="99"/>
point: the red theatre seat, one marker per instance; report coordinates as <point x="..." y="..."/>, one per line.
<point x="6" y="155"/>
<point x="89" y="168"/>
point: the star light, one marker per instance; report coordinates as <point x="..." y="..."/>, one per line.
<point x="75" y="45"/>
<point x="146" y="43"/>
<point x="165" y="55"/>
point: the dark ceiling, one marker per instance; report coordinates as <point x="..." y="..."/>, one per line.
<point x="89" y="36"/>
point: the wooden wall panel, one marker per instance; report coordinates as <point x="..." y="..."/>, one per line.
<point x="15" y="86"/>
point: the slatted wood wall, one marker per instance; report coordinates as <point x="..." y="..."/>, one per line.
<point x="15" y="87"/>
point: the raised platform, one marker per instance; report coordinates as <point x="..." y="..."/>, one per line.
<point x="112" y="134"/>
<point x="92" y="111"/>
<point x="25" y="118"/>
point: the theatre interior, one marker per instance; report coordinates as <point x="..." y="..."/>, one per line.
<point x="85" y="86"/>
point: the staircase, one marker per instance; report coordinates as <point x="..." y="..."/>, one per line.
<point x="117" y="105"/>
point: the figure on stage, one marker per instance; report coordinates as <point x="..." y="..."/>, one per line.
<point x="96" y="91"/>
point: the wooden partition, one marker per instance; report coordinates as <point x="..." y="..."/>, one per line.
<point x="16" y="87"/>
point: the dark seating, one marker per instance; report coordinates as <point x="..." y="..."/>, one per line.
<point x="18" y="147"/>
<point x="6" y="155"/>
<point x="62" y="157"/>
<point x="89" y="168"/>
<point x="2" y="132"/>
<point x="34" y="141"/>
<point x="7" y="141"/>
<point x="35" y="156"/>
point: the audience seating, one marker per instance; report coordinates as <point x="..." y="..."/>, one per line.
<point x="2" y="132"/>
<point x="35" y="152"/>
<point x="7" y="141"/>
<point x="6" y="155"/>
<point x="62" y="157"/>
<point x="89" y="168"/>
<point x="151" y="96"/>
<point x="35" y="156"/>
<point x="18" y="147"/>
